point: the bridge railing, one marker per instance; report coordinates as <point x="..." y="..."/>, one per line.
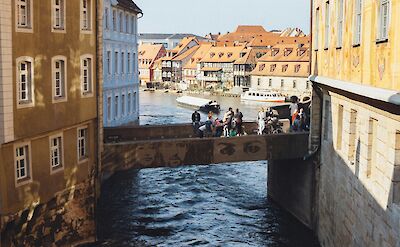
<point x="171" y="131"/>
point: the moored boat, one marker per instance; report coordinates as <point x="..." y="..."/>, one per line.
<point x="200" y="104"/>
<point x="263" y="96"/>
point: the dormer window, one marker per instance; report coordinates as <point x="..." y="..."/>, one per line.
<point x="262" y="66"/>
<point x="212" y="54"/>
<point x="230" y="54"/>
<point x="287" y="52"/>
<point x="297" y="68"/>
<point x="272" y="67"/>
<point x="275" y="52"/>
<point x="242" y="54"/>
<point x="220" y="54"/>
<point x="300" y="52"/>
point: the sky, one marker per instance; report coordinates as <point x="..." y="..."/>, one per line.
<point x="204" y="16"/>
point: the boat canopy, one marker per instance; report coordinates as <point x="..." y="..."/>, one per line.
<point x="194" y="101"/>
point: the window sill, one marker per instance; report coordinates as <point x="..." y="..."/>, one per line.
<point x="380" y="41"/>
<point x="338" y="48"/>
<point x="83" y="160"/>
<point x="23" y="181"/>
<point x="325" y="49"/>
<point x="25" y="104"/>
<point x="356" y="45"/>
<point x="24" y="29"/>
<point x="56" y="169"/>
<point x="58" y="30"/>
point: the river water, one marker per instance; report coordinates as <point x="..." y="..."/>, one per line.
<point x="211" y="205"/>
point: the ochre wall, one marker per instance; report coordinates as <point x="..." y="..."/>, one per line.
<point x="42" y="45"/>
<point x="371" y="63"/>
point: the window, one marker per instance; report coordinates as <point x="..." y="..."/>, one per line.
<point x="282" y="83"/>
<point x="116" y="62"/>
<point x="58" y="14"/>
<point x="270" y="82"/>
<point x="122" y="62"/>
<point x="59" y="75"/>
<point x="123" y="105"/>
<point x="294" y="83"/>
<point x="106" y="20"/>
<point x="372" y="145"/>
<point x="22" y="162"/>
<point x="357" y="22"/>
<point x="24" y="14"/>
<point x="339" y="128"/>
<point x="272" y="68"/>
<point x="327" y="119"/>
<point x="327" y="25"/>
<point x="86" y="76"/>
<point x="121" y="22"/>
<point x="352" y="135"/>
<point x="129" y="103"/>
<point x="129" y="63"/>
<point x="316" y="35"/>
<point x="285" y="67"/>
<point x="108" y="62"/>
<point x="56" y="153"/>
<point x="133" y="25"/>
<point x="82" y="144"/>
<point x="258" y="81"/>
<point x="108" y="108"/>
<point x="126" y="23"/>
<point x="297" y="68"/>
<point x="383" y="22"/>
<point x="116" y="107"/>
<point x="134" y="102"/>
<point x="25" y="81"/>
<point x="339" y="18"/>
<point x="86" y="15"/>
<point x="396" y="177"/>
<point x="114" y="17"/>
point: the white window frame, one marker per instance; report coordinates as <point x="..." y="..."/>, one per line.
<point x="327" y="24"/>
<point x="29" y="87"/>
<point x="129" y="63"/>
<point x="86" y="16"/>
<point x="114" y="19"/>
<point x="27" y="157"/>
<point x="108" y="62"/>
<point x="121" y="21"/>
<point x="116" y="107"/>
<point x="123" y="105"/>
<point x="62" y="97"/>
<point x="383" y="29"/>
<point x="60" y="8"/>
<point x="106" y="19"/>
<point x="122" y="62"/>
<point x="126" y="23"/>
<point x="133" y="25"/>
<point x="134" y="102"/>
<point x="129" y="104"/>
<point x="357" y="32"/>
<point x="340" y="22"/>
<point x="27" y="26"/>
<point x="109" y="111"/>
<point x="82" y="143"/>
<point x="56" y="153"/>
<point x="116" y="63"/>
<point x="87" y="91"/>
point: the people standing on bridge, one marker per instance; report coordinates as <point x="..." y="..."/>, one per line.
<point x="239" y="122"/>
<point x="294" y="109"/>
<point x="196" y="121"/>
<point x="261" y="121"/>
<point x="219" y="127"/>
<point x="228" y="122"/>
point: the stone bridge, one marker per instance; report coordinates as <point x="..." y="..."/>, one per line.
<point x="290" y="178"/>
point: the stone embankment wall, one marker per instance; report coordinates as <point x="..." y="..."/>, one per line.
<point x="66" y="220"/>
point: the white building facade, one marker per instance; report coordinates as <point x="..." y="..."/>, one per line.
<point x="120" y="63"/>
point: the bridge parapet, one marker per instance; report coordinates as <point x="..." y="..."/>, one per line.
<point x="201" y="151"/>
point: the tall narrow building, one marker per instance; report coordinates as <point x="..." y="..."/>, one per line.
<point x="356" y="121"/>
<point x="48" y="121"/>
<point x="120" y="63"/>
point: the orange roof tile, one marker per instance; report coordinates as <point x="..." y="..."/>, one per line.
<point x="218" y="54"/>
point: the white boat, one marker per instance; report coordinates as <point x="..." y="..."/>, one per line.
<point x="263" y="96"/>
<point x="201" y="104"/>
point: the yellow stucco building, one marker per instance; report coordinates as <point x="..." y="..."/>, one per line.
<point x="356" y="77"/>
<point x="48" y="120"/>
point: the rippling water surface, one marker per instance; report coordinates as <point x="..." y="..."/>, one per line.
<point x="210" y="205"/>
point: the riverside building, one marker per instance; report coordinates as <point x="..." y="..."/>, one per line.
<point x="48" y="121"/>
<point x="148" y="54"/>
<point x="120" y="63"/>
<point x="356" y="102"/>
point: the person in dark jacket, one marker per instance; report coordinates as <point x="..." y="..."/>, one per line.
<point x="196" y="121"/>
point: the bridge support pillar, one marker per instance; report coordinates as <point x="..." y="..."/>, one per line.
<point x="291" y="184"/>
